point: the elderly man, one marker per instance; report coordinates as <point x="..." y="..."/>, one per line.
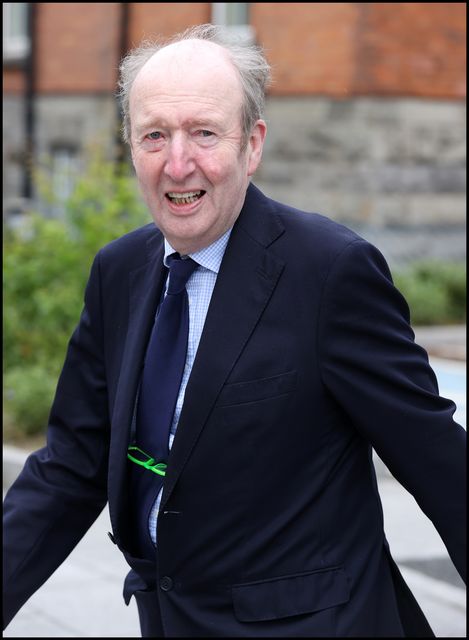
<point x="232" y="435"/>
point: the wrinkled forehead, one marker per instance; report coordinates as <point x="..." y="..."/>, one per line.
<point x="189" y="64"/>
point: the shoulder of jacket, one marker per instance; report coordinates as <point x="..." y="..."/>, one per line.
<point x="315" y="232"/>
<point x="132" y="243"/>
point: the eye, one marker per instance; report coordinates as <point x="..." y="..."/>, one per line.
<point x="205" y="133"/>
<point x="154" y="135"/>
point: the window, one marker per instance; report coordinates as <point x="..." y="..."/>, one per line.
<point x="15" y="30"/>
<point x="234" y="16"/>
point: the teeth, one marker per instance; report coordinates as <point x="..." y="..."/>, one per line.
<point x="184" y="198"/>
<point x="188" y="194"/>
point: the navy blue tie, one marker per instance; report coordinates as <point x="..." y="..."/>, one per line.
<point x="161" y="379"/>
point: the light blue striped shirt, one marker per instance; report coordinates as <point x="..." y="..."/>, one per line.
<point x="199" y="292"/>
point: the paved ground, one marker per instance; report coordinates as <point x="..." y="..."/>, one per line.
<point x="83" y="598"/>
<point x="443" y="342"/>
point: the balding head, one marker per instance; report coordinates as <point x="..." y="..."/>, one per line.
<point x="177" y="57"/>
<point x="247" y="59"/>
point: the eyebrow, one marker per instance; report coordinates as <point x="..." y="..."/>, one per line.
<point x="156" y="124"/>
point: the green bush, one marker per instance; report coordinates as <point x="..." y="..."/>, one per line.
<point x="28" y="393"/>
<point x="435" y="292"/>
<point x="46" y="265"/>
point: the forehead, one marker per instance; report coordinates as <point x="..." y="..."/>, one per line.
<point x="198" y="70"/>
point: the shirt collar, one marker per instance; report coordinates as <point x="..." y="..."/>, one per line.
<point x="209" y="257"/>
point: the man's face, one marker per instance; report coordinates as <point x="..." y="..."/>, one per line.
<point x="186" y="143"/>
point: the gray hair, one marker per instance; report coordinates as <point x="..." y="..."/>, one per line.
<point x="248" y="59"/>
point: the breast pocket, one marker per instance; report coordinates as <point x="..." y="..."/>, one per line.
<point x="237" y="393"/>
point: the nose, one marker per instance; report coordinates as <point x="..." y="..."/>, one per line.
<point x="180" y="162"/>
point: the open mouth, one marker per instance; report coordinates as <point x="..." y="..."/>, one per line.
<point x="188" y="197"/>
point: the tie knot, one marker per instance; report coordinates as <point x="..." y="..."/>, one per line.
<point x="179" y="272"/>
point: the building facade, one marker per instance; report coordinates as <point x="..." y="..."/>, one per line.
<point x="366" y="114"/>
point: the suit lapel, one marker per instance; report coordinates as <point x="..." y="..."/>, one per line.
<point x="145" y="289"/>
<point x="248" y="276"/>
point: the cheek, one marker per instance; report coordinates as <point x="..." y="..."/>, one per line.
<point x="222" y="165"/>
<point x="228" y="179"/>
<point x="211" y="167"/>
<point x="147" y="171"/>
<point x="146" y="182"/>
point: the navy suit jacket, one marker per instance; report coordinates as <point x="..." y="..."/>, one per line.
<point x="270" y="521"/>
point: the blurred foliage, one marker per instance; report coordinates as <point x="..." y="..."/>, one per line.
<point x="435" y="291"/>
<point x="46" y="263"/>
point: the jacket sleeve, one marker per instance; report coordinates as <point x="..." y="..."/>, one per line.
<point x="383" y="380"/>
<point x="62" y="487"/>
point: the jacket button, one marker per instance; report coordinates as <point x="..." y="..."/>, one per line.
<point x="166" y="583"/>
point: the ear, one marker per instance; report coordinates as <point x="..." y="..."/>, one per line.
<point x="255" y="145"/>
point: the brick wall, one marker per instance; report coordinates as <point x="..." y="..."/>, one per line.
<point x="412" y="48"/>
<point x="77" y="47"/>
<point x="309" y="45"/>
<point x="13" y="81"/>
<point x="331" y="49"/>
<point x="345" y="49"/>
<point x="150" y="19"/>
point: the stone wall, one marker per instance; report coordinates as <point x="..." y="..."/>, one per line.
<point x="394" y="169"/>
